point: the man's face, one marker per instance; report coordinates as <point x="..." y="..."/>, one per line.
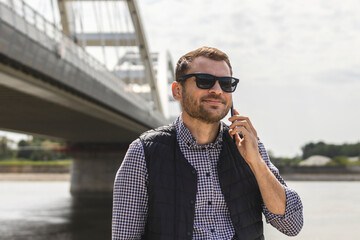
<point x="207" y="105"/>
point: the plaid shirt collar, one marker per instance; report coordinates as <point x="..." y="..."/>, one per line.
<point x="186" y="139"/>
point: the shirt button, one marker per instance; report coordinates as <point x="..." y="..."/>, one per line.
<point x="212" y="230"/>
<point x="209" y="202"/>
<point x="208" y="174"/>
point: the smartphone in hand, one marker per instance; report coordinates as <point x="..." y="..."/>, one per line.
<point x="232" y="114"/>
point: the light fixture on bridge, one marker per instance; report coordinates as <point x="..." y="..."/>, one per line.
<point x="137" y="88"/>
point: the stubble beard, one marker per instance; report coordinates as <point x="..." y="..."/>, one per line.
<point x="197" y="111"/>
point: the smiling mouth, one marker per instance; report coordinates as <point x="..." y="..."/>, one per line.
<point x="213" y="101"/>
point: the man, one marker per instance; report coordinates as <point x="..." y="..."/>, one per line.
<point x="198" y="178"/>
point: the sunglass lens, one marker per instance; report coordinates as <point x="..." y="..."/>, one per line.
<point x="205" y="81"/>
<point x="226" y="84"/>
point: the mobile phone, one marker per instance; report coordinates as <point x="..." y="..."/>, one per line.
<point x="232" y="114"/>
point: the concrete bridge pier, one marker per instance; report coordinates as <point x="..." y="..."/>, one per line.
<point x="94" y="168"/>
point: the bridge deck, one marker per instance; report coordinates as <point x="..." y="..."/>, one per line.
<point x="50" y="86"/>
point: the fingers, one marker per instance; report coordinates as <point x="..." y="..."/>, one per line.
<point x="242" y="121"/>
<point x="237" y="131"/>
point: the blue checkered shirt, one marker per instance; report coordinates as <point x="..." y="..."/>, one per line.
<point x="212" y="217"/>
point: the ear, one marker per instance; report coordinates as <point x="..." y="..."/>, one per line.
<point x="176" y="90"/>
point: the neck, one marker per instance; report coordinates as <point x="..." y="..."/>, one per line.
<point x="203" y="132"/>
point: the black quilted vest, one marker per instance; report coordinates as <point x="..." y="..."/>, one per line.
<point x="172" y="187"/>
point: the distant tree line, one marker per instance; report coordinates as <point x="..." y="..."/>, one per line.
<point x="36" y="149"/>
<point x="331" y="150"/>
<point x="40" y="149"/>
<point x="284" y="161"/>
<point x="339" y="154"/>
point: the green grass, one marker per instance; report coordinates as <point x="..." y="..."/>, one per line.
<point x="26" y="162"/>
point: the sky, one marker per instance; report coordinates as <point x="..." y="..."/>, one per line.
<point x="298" y="61"/>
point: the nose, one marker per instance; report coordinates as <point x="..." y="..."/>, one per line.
<point x="216" y="88"/>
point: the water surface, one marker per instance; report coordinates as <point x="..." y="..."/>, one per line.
<point x="331" y="211"/>
<point x="45" y="210"/>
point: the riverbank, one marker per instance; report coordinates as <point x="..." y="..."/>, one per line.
<point x="35" y="172"/>
<point x="16" y="177"/>
<point x="322" y="173"/>
<point x="62" y="173"/>
<point x="66" y="177"/>
<point x="320" y="177"/>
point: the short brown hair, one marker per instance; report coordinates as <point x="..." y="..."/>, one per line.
<point x="185" y="61"/>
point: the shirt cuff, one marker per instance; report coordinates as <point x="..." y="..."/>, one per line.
<point x="293" y="205"/>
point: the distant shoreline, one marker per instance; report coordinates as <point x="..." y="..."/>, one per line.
<point x="57" y="169"/>
<point x="16" y="177"/>
<point x="321" y="173"/>
<point x="66" y="177"/>
<point x="61" y="173"/>
<point x="320" y="177"/>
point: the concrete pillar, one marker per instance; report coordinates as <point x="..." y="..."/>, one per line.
<point x="93" y="170"/>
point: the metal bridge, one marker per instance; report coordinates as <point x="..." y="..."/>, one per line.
<point x="51" y="85"/>
<point x="57" y="79"/>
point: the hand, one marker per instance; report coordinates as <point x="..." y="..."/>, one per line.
<point x="248" y="145"/>
<point x="272" y="191"/>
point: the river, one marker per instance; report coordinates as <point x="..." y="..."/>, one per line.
<point x="46" y="211"/>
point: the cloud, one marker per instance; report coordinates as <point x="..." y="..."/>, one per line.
<point x="340" y="77"/>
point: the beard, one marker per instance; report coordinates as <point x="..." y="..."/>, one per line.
<point x="196" y="110"/>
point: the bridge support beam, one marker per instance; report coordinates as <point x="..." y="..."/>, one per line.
<point x="94" y="169"/>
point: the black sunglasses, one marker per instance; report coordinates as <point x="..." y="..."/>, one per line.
<point x="207" y="81"/>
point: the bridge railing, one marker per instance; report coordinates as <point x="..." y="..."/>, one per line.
<point x="31" y="23"/>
